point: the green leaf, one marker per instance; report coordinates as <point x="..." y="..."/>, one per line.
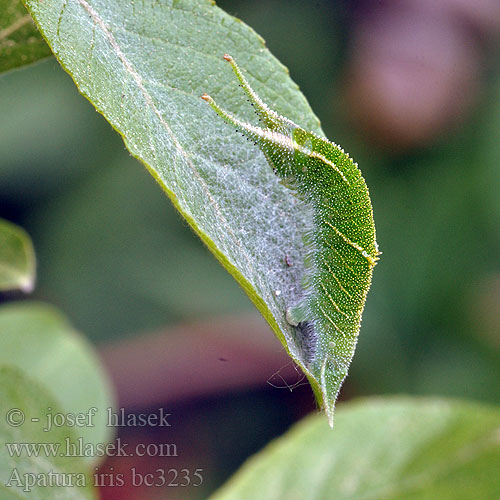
<point x="39" y="341"/>
<point x="17" y="259"/>
<point x="22" y="476"/>
<point x="381" y="448"/>
<point x="20" y="41"/>
<point x="144" y="67"/>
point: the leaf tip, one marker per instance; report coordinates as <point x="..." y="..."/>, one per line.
<point x="329" y="410"/>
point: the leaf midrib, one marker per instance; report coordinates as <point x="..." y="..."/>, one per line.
<point x="149" y="101"/>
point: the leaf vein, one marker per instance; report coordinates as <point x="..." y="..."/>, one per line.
<point x="137" y="78"/>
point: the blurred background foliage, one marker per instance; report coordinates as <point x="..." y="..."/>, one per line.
<point x="411" y="89"/>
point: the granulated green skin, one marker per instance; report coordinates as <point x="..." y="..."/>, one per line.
<point x="343" y="250"/>
<point x="341" y="246"/>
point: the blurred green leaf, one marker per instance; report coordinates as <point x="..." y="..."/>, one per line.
<point x="17" y="258"/>
<point x="381" y="448"/>
<point x="39" y="341"/>
<point x="145" y="69"/>
<point x="20" y="41"/>
<point x="21" y="400"/>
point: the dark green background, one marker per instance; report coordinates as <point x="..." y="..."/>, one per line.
<point x="115" y="256"/>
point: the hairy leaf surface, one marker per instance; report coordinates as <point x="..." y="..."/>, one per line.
<point x="144" y="66"/>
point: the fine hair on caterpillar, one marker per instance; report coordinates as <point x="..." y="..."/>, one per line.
<point x="307" y="340"/>
<point x="340" y="250"/>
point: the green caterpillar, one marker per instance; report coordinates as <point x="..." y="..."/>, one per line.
<point x="341" y="246"/>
